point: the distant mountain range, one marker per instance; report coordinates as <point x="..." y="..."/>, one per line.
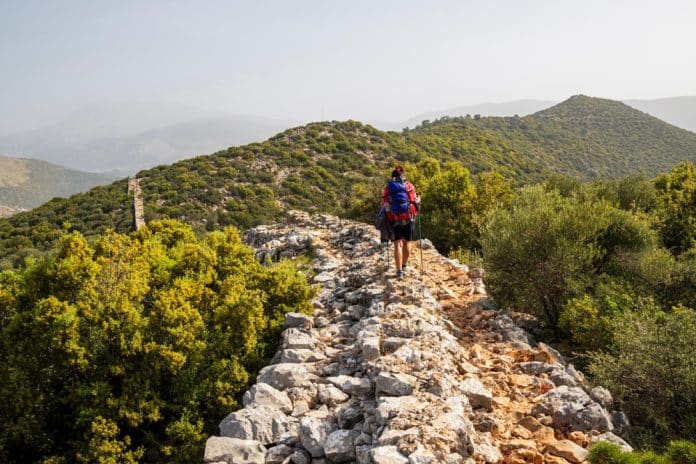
<point x="316" y="167"/>
<point x="27" y="183"/>
<point x="127" y="137"/>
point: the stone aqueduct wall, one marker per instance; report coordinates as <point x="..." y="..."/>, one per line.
<point x="379" y="374"/>
<point x="138" y="208"/>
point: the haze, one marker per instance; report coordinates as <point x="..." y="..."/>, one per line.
<point x="315" y="60"/>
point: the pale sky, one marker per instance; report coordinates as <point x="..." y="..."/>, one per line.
<point x="330" y="59"/>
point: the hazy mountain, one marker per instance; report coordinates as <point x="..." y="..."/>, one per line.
<point x="127" y="137"/>
<point x="27" y="183"/>
<point x="680" y="111"/>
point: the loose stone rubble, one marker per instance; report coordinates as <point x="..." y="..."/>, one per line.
<point x="419" y="370"/>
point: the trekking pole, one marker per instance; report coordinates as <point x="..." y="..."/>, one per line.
<point x="420" y="240"/>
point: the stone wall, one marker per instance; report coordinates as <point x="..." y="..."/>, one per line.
<point x="418" y="370"/>
<point x="138" y="208"/>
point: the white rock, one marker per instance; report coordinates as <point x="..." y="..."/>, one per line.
<point x="261" y="423"/>
<point x="313" y="434"/>
<point x="300" y="356"/>
<point x="391" y="436"/>
<point x="277" y="454"/>
<point x="296" y="339"/>
<point x="387" y="455"/>
<point x="388" y="383"/>
<point x="479" y="396"/>
<point x="354" y="386"/>
<point x="264" y="394"/>
<point x="421" y="456"/>
<point x="298" y="320"/>
<point x="233" y="450"/>
<point x="389" y="406"/>
<point x="491" y="454"/>
<point x="340" y="446"/>
<point x="284" y="376"/>
<point x="611" y="438"/>
<point x="331" y="395"/>
<point x="370" y="348"/>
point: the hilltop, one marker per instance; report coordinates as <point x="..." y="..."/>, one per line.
<point x="320" y="167"/>
<point x="27" y="183"/>
<point x="585" y="137"/>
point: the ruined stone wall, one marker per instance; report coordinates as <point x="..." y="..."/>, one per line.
<point x="419" y="370"/>
<point x="138" y="208"/>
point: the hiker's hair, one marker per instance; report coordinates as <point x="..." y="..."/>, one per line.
<point x="398" y="171"/>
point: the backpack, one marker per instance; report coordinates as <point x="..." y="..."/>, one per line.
<point x="398" y="197"/>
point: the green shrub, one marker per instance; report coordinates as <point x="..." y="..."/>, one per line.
<point x="682" y="452"/>
<point x="651" y="370"/>
<point x="136" y="345"/>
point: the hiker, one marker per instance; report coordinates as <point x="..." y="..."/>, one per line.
<point x="400" y="201"/>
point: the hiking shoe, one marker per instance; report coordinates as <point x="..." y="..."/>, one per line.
<point x="399" y="274"/>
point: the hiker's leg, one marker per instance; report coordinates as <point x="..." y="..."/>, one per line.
<point x="404" y="252"/>
<point x="398" y="257"/>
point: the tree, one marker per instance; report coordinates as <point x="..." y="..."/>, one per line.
<point x="131" y="349"/>
<point x="546" y="249"/>
<point x="651" y="370"/>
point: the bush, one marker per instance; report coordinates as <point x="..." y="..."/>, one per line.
<point x="678" y="452"/>
<point x="135" y="347"/>
<point x="651" y="370"/>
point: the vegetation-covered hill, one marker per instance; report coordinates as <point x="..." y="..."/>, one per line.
<point x="323" y="166"/>
<point x="27" y="183"/>
<point x="586" y="137"/>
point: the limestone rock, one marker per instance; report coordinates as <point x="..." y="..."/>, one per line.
<point x="300" y="356"/>
<point x="300" y="457"/>
<point x="298" y="321"/>
<point x="278" y="454"/>
<point x="354" y="386"/>
<point x="602" y="396"/>
<point x="421" y="456"/>
<point x="568" y="451"/>
<point x="387" y="383"/>
<point x="387" y="455"/>
<point x="370" y="348"/>
<point x="263" y="394"/>
<point x="388" y="407"/>
<point x="611" y="438"/>
<point x="331" y="395"/>
<point x="233" y="450"/>
<point x="491" y="454"/>
<point x="261" y="423"/>
<point x="340" y="446"/>
<point x="283" y="376"/>
<point x="313" y="434"/>
<point x="479" y="396"/>
<point x="349" y="416"/>
<point x="297" y="339"/>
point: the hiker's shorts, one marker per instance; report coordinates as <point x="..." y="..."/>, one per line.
<point x="403" y="231"/>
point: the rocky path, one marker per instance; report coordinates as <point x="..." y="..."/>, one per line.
<point x="419" y="370"/>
